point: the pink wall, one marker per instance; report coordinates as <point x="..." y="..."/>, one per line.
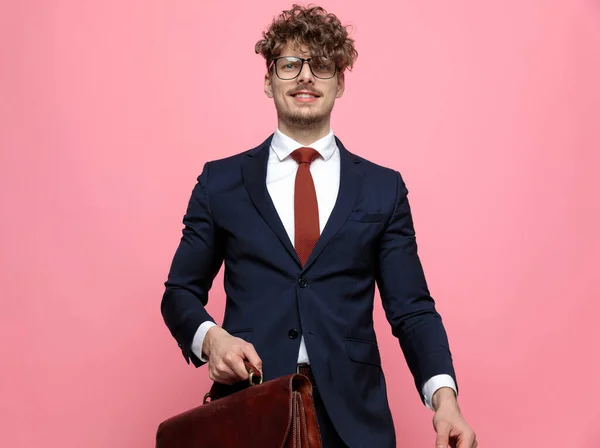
<point x="490" y="109"/>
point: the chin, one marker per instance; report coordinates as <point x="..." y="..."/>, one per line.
<point x="304" y="120"/>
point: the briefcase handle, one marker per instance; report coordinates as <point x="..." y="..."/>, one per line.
<point x="252" y="371"/>
<point x="254" y="378"/>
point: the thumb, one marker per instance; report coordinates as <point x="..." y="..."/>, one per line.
<point x="252" y="357"/>
<point x="443" y="437"/>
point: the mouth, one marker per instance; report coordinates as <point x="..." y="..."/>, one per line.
<point x="305" y="94"/>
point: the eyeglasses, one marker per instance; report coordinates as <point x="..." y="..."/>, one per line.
<point x="290" y="67"/>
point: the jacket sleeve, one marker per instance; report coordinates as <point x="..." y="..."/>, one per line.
<point x="195" y="265"/>
<point x="409" y="308"/>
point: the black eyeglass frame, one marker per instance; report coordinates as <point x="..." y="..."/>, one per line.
<point x="307" y="60"/>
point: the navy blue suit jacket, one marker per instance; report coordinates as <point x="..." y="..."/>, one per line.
<point x="272" y="300"/>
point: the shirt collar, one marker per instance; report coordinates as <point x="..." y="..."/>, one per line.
<point x="283" y="145"/>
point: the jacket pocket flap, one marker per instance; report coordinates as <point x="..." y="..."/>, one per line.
<point x="363" y="351"/>
<point x="366" y="217"/>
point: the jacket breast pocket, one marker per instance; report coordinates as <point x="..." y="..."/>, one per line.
<point x="366" y="217"/>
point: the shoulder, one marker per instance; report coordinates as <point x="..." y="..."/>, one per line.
<point x="369" y="168"/>
<point x="230" y="162"/>
<point x="381" y="181"/>
<point x="231" y="165"/>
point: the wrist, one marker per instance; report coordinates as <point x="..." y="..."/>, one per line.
<point x="444" y="396"/>
<point x="211" y="333"/>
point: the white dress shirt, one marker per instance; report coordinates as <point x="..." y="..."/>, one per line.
<point x="281" y="177"/>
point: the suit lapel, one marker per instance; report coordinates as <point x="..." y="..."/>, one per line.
<point x="254" y="172"/>
<point x="351" y="181"/>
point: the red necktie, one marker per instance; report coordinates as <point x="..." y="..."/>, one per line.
<point x="306" y="209"/>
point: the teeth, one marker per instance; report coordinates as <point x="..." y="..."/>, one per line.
<point x="304" y="95"/>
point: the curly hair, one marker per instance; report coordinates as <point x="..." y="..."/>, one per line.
<point x="313" y="27"/>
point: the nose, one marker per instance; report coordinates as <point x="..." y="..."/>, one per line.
<point x="305" y="75"/>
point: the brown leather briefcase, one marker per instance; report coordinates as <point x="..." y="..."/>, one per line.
<point x="279" y="413"/>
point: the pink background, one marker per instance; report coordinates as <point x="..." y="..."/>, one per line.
<point x="108" y="110"/>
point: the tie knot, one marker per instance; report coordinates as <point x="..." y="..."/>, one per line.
<point x="305" y="155"/>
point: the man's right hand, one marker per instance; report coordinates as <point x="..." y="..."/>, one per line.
<point x="226" y="355"/>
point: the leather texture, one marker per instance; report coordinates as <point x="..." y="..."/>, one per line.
<point x="279" y="413"/>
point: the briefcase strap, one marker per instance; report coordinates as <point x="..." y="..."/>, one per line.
<point x="254" y="377"/>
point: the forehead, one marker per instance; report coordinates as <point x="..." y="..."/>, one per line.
<point x="293" y="49"/>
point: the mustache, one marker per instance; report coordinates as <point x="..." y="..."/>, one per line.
<point x="305" y="89"/>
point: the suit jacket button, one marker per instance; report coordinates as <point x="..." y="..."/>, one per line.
<point x="302" y="282"/>
<point x="293" y="333"/>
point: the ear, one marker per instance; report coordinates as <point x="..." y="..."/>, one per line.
<point x="268" y="85"/>
<point x="341" y="85"/>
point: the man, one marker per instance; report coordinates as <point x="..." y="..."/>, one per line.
<point x="306" y="229"/>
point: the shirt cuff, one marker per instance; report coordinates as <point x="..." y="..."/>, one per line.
<point x="433" y="384"/>
<point x="198" y="340"/>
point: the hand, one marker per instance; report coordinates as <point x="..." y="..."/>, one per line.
<point x="226" y="355"/>
<point x="451" y="428"/>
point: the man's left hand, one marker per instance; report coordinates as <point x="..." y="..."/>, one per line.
<point x="451" y="428"/>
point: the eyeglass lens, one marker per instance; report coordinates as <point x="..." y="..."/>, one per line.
<point x="290" y="67"/>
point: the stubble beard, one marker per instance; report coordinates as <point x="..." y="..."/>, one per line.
<point x="302" y="120"/>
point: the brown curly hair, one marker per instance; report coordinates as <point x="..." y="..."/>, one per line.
<point x="313" y="27"/>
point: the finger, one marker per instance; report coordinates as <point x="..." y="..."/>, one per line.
<point x="252" y="356"/>
<point x="442" y="438"/>
<point x="221" y="373"/>
<point x="471" y="441"/>
<point x="235" y="362"/>
<point x="467" y="440"/>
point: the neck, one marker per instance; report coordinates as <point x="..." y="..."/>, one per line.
<point x="305" y="135"/>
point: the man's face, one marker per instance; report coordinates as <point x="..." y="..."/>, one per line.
<point x="306" y="100"/>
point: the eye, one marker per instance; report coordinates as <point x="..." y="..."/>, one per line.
<point x="288" y="64"/>
<point x="321" y="65"/>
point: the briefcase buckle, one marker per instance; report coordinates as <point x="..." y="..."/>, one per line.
<point x="252" y="378"/>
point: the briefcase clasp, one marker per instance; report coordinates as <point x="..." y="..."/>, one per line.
<point x="252" y="379"/>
